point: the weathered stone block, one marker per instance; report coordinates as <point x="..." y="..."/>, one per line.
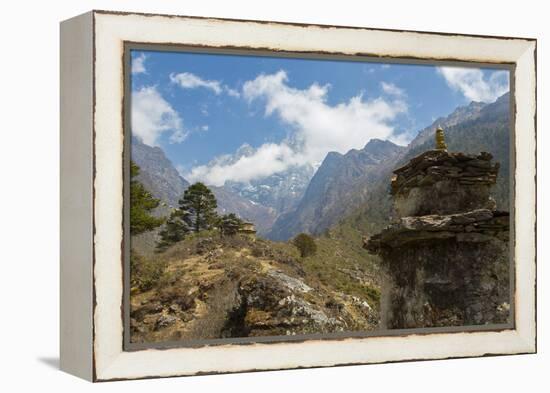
<point x="443" y="197"/>
<point x="447" y="283"/>
<point x="446" y="253"/>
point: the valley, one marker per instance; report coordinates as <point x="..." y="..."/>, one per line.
<point x="213" y="286"/>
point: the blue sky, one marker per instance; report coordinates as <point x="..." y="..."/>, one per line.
<point x="200" y="108"/>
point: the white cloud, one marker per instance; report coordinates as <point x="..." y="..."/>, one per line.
<point x="316" y="128"/>
<point x="232" y="92"/>
<point x="474" y="85"/>
<point x="187" y="80"/>
<point x="371" y="68"/>
<point x="152" y="115"/>
<point x="177" y="136"/>
<point x="267" y="159"/>
<point x="138" y="64"/>
<point x="391" y="89"/>
<point x="205" y="128"/>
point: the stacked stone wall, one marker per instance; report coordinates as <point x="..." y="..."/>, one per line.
<point x="446" y="253"/>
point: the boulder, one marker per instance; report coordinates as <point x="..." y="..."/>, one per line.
<point x="165" y="321"/>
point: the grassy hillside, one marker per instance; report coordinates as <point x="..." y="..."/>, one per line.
<point x="212" y="287"/>
<point x="342" y="264"/>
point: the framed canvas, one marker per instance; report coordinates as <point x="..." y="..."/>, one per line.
<point x="246" y="195"/>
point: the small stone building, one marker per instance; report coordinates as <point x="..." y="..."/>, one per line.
<point x="248" y="229"/>
<point x="446" y="252"/>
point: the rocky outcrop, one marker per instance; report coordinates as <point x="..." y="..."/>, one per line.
<point x="213" y="287"/>
<point x="477" y="226"/>
<point x="446" y="252"/>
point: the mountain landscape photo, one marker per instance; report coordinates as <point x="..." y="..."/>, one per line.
<point x="273" y="197"/>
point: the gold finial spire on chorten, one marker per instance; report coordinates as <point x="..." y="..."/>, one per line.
<point x="440" y="139"/>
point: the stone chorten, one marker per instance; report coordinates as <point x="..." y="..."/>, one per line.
<point x="446" y="251"/>
<point x="248" y="229"/>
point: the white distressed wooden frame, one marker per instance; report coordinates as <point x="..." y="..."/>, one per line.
<point x="92" y="194"/>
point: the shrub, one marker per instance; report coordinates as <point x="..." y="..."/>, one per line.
<point x="144" y="273"/>
<point x="175" y="229"/>
<point x="230" y="224"/>
<point x="373" y="294"/>
<point x="305" y="244"/>
<point x="142" y="205"/>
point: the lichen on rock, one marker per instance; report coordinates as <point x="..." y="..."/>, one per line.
<point x="446" y="252"/>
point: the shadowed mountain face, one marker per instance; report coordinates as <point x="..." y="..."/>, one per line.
<point x="460" y="115"/>
<point x="157" y="173"/>
<point x="473" y="129"/>
<point x="355" y="186"/>
<point x="485" y="127"/>
<point x="341" y="182"/>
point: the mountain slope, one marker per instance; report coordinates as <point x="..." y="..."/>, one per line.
<point x="470" y="129"/>
<point x="161" y="178"/>
<point x="355" y="186"/>
<point x="461" y="114"/>
<point x="280" y="191"/>
<point x="341" y="182"/>
<point x="229" y="202"/>
<point x="157" y="173"/>
<point x="484" y="127"/>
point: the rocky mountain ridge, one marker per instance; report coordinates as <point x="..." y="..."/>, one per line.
<point x="280" y="191"/>
<point x="340" y="182"/>
<point x="346" y="187"/>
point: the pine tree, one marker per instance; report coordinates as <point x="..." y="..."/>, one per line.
<point x="176" y="228"/>
<point x="230" y="224"/>
<point x="142" y="204"/>
<point x="201" y="203"/>
<point x="305" y="244"/>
